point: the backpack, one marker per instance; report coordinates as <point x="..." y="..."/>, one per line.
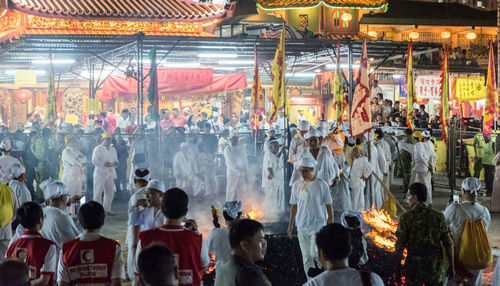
<point x="6" y="205"/>
<point x="475" y="251"/>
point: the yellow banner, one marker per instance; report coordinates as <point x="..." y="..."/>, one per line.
<point x="25" y="77"/>
<point x="470" y="88"/>
<point x="71" y="118"/>
<point x="92" y="106"/>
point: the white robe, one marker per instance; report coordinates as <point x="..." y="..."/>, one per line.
<point x="237" y="171"/>
<point x="58" y="227"/>
<point x="207" y="170"/>
<point x="21" y="192"/>
<point x="424" y="159"/>
<point x="104" y="177"/>
<point x="73" y="174"/>
<point x="456" y="215"/>
<point x="341" y="195"/>
<point x="273" y="188"/>
<point x="326" y="167"/>
<point x="374" y="194"/>
<point x="296" y="146"/>
<point x="218" y="244"/>
<point x="185" y="174"/>
<point x="361" y="167"/>
<point x="384" y="149"/>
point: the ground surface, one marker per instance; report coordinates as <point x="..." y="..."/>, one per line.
<point x="116" y="226"/>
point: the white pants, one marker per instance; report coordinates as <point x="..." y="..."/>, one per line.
<point x="130" y="263"/>
<point x="358" y="199"/>
<point x="307" y="242"/>
<point x="106" y="186"/>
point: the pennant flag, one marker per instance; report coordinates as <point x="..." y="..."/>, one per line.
<point x="445" y="81"/>
<point x="257" y="105"/>
<point x="410" y="86"/>
<point x="50" y="107"/>
<point x="278" y="76"/>
<point x="153" y="95"/>
<point x="491" y="108"/>
<point x="338" y="89"/>
<point x="361" y="115"/>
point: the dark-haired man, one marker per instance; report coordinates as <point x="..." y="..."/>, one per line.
<point x="91" y="258"/>
<point x="335" y="260"/>
<point x="157" y="266"/>
<point x="248" y="246"/>
<point x="37" y="252"/>
<point x="14" y="273"/>
<point x="422" y="231"/>
<point x="185" y="244"/>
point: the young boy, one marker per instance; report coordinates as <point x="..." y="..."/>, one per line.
<point x="37" y="252"/>
<point x="91" y="257"/>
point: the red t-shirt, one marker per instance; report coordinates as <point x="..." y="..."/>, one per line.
<point x="89" y="261"/>
<point x="37" y="252"/>
<point x="184" y="244"/>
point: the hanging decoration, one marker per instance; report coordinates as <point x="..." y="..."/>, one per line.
<point x="23" y="95"/>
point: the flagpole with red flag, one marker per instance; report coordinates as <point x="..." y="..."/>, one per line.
<point x="361" y="115"/>
<point x="410" y="87"/>
<point x="257" y="97"/>
<point x="490" y="109"/>
<point x="445" y="111"/>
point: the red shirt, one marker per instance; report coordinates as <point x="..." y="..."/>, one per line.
<point x="89" y="261"/>
<point x="186" y="245"/>
<point x="180" y="121"/>
<point x="37" y="252"/>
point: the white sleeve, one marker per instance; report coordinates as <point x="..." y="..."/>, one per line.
<point x="293" y="196"/>
<point x="50" y="261"/>
<point x="118" y="270"/>
<point x="327" y="197"/>
<point x="62" y="271"/>
<point x="376" y="280"/>
<point x="205" y="259"/>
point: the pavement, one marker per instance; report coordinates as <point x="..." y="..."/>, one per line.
<point x="115" y="226"/>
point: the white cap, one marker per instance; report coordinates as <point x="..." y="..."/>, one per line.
<point x="184" y="145"/>
<point x="426" y="134"/>
<point x="156" y="185"/>
<point x="471" y="184"/>
<point x="6" y="145"/>
<point x="323" y="131"/>
<point x="312" y="133"/>
<point x="307" y="162"/>
<point x="28" y="124"/>
<point x="146" y="178"/>
<point x="17" y="170"/>
<point x="304" y="125"/>
<point x="333" y="125"/>
<point x="321" y="124"/>
<point x="55" y="189"/>
<point x="232" y="208"/>
<point x="399" y="133"/>
<point x="186" y="109"/>
<point x="351" y="140"/>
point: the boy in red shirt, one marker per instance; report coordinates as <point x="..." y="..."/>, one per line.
<point x="38" y="253"/>
<point x="91" y="259"/>
<point x="187" y="246"/>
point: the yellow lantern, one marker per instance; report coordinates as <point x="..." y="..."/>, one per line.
<point x="346" y="17"/>
<point x="413" y="35"/>
<point x="471" y="36"/>
<point x="372" y="34"/>
<point x="445" y="35"/>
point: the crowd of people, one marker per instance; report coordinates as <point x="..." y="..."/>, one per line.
<point x="49" y="223"/>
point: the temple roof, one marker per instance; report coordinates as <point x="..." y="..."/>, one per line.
<point x="121" y="10"/>
<point x="287" y="4"/>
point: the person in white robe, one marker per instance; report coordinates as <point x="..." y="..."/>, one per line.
<point x="384" y="151"/>
<point x="327" y="168"/>
<point x="186" y="176"/>
<point x="458" y="213"/>
<point x="151" y="216"/>
<point x="273" y="179"/>
<point x="6" y="160"/>
<point x="105" y="160"/>
<point x="271" y="133"/>
<point x="373" y="196"/>
<point x="235" y="156"/>
<point x="298" y="141"/>
<point x="136" y="203"/>
<point x="73" y="175"/>
<point x="424" y="161"/>
<point x="207" y="169"/>
<point x="140" y="158"/>
<point x="57" y="225"/>
<point x="341" y="194"/>
<point x="18" y="185"/>
<point x="360" y="172"/>
<point x="223" y="141"/>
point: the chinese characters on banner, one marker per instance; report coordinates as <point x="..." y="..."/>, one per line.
<point x="428" y="86"/>
<point x="470" y="88"/>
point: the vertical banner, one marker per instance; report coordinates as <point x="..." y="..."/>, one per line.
<point x="361" y="115"/>
<point x="153" y="96"/>
<point x="491" y="108"/>
<point x="50" y="107"/>
<point x="338" y="89"/>
<point x="445" y="110"/>
<point x="257" y="107"/>
<point x="278" y="71"/>
<point x="410" y="86"/>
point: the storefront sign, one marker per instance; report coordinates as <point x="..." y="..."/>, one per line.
<point x="470" y="88"/>
<point x="71" y="118"/>
<point x="92" y="106"/>
<point x="428" y="86"/>
<point x="25" y="77"/>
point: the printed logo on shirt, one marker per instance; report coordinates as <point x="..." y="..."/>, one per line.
<point x="21" y="253"/>
<point x="87" y="256"/>
<point x="32" y="272"/>
<point x="87" y="271"/>
<point x="185" y="276"/>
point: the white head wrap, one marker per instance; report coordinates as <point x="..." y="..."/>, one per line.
<point x="304" y="125"/>
<point x="6" y="145"/>
<point x="399" y="133"/>
<point x="322" y="124"/>
<point x="17" y="170"/>
<point x="333" y="125"/>
<point x="471" y="185"/>
<point x="232" y="208"/>
<point x="28" y="124"/>
<point x="307" y="162"/>
<point x="426" y="134"/>
<point x="323" y="131"/>
<point x="55" y="189"/>
<point x="351" y="140"/>
<point x="394" y="124"/>
<point x="146" y="178"/>
<point x="350" y="213"/>
<point x="312" y="133"/>
<point x="156" y="185"/>
<point x="184" y="145"/>
<point x="186" y="109"/>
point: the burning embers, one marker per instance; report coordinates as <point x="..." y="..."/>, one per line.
<point x="253" y="213"/>
<point x="382" y="230"/>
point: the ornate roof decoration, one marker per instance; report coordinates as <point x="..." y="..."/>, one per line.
<point x="121" y="10"/>
<point x="296" y="4"/>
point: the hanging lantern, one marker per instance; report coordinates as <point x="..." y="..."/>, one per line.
<point x="471" y="36"/>
<point x="372" y="34"/>
<point x="445" y="35"/>
<point x="23" y="95"/>
<point x="346" y="17"/>
<point x="413" y="35"/>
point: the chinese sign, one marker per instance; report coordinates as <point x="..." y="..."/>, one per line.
<point x="337" y="21"/>
<point x="470" y="88"/>
<point x="428" y="86"/>
<point x="25" y="77"/>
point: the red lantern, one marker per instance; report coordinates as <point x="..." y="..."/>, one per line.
<point x="23" y="95"/>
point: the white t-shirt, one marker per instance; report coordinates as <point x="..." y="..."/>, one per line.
<point x="344" y="277"/>
<point x="218" y="243"/>
<point x="310" y="199"/>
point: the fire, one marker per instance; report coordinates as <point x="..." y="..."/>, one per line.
<point x="383" y="232"/>
<point x="254" y="213"/>
<point x="211" y="265"/>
